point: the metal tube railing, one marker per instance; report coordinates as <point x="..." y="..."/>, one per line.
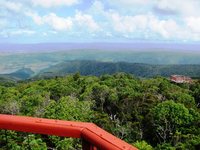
<point x="93" y="137"/>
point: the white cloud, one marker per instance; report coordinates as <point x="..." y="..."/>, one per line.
<point x="182" y="7"/>
<point x="4" y="34"/>
<point x="56" y="22"/>
<point x="82" y="22"/>
<point x="109" y="34"/>
<point x="11" y="6"/>
<point x="36" y="18"/>
<point x="44" y="34"/>
<point x="110" y="18"/>
<point x="169" y="29"/>
<point x="148" y="25"/>
<point x="97" y="8"/>
<point x="130" y="6"/>
<point x="128" y="23"/>
<point x="166" y="28"/>
<point x="17" y="33"/>
<point x="129" y="3"/>
<point x="145" y="25"/>
<point x="53" y="32"/>
<point x="193" y="23"/>
<point x="22" y="32"/>
<point x="86" y="21"/>
<point x="3" y="23"/>
<point x="54" y="3"/>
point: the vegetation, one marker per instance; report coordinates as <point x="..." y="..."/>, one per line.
<point x="98" y="68"/>
<point x="21" y="74"/>
<point x="39" y="58"/>
<point x="149" y="113"/>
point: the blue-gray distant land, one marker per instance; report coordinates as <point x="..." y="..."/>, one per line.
<point x="136" y="46"/>
<point x="24" y="61"/>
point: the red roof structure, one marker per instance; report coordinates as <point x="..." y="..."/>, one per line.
<point x="93" y="137"/>
<point x="180" y="79"/>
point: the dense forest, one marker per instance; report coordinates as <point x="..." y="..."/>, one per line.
<point x="148" y="113"/>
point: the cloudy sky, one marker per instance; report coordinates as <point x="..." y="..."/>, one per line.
<point x="36" y="21"/>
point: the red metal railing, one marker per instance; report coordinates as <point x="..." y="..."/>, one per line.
<point x="93" y="137"/>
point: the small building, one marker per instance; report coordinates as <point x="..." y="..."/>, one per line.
<point x="180" y="79"/>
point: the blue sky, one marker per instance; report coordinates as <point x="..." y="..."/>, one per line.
<point x="38" y="21"/>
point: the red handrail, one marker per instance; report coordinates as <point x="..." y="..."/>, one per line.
<point x="93" y="136"/>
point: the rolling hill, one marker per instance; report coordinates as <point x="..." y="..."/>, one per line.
<point x="21" y="74"/>
<point x="98" y="68"/>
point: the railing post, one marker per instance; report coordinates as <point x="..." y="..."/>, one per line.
<point x="87" y="145"/>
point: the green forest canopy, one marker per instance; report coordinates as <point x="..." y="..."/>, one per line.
<point x="148" y="113"/>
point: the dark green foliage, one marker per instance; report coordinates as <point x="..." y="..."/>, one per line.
<point x="143" y="145"/>
<point x="139" y="111"/>
<point x="169" y="119"/>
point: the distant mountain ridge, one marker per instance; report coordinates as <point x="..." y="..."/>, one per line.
<point x="49" y="47"/>
<point x="21" y="74"/>
<point x="138" y="69"/>
<point x="97" y="68"/>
